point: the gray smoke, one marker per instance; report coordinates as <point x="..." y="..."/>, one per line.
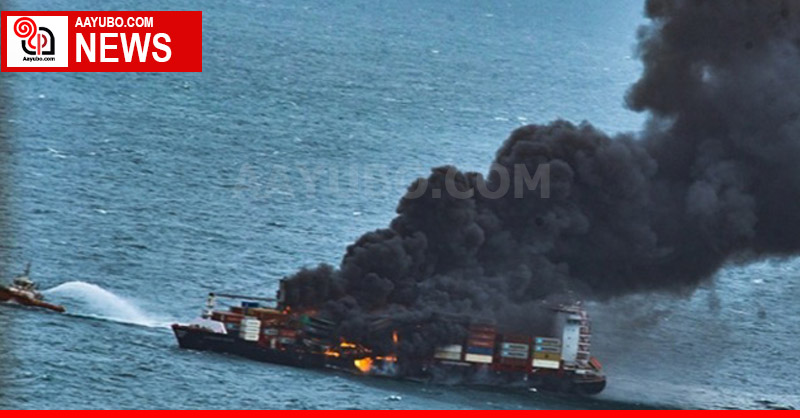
<point x="713" y="178"/>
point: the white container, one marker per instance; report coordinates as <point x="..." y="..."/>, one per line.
<point x="448" y="352"/>
<point x="546" y="364"/>
<point x="523" y="355"/>
<point x="444" y="355"/>
<point x="514" y="347"/>
<point x="478" y="358"/>
<point x="249" y="329"/>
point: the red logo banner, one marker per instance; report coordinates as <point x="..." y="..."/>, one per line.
<point x="102" y="41"/>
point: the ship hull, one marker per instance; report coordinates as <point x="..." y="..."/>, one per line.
<point x="575" y="384"/>
<point x="7" y="295"/>
<point x="589" y="387"/>
<point x="195" y="338"/>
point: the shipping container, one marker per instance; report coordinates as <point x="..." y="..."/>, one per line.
<point x="541" y="341"/>
<point x="480" y="343"/>
<point x="249" y="329"/>
<point x="449" y="352"/>
<point x="478" y="358"/>
<point x="226" y="317"/>
<point x="290" y="333"/>
<point x="547" y="356"/>
<point x="546" y="364"/>
<point x="514" y="350"/>
<point x="266" y="314"/>
<point x="480" y="350"/>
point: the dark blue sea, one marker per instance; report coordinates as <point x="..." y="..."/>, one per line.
<point x="135" y="194"/>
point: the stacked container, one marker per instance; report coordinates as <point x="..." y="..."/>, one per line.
<point x="287" y="336"/>
<point x="269" y="336"/>
<point x="547" y="353"/>
<point x="480" y="344"/>
<point x="232" y="321"/>
<point x="250" y="329"/>
<point x="449" y="352"/>
<point x="515" y="351"/>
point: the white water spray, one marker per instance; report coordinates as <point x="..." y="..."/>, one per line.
<point x="92" y="300"/>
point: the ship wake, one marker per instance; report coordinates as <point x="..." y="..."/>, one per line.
<point x="90" y="300"/>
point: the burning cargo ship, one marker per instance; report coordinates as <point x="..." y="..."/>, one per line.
<point x="268" y="330"/>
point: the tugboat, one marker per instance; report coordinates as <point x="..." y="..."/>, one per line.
<point x="23" y="291"/>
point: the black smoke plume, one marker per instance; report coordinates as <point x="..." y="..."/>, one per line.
<point x="713" y="178"/>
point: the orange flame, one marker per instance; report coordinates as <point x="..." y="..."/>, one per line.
<point x="364" y="364"/>
<point x="346" y="344"/>
<point x="331" y="353"/>
<point x="395" y="339"/>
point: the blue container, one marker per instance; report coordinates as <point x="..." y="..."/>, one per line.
<point x="480" y="350"/>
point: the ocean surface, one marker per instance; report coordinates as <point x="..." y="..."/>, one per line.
<point x="134" y="195"/>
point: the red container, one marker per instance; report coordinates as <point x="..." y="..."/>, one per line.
<point x="227" y="317"/>
<point x="514" y="363"/>
<point x="290" y="333"/>
<point x="480" y="343"/>
<point x="518" y="339"/>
